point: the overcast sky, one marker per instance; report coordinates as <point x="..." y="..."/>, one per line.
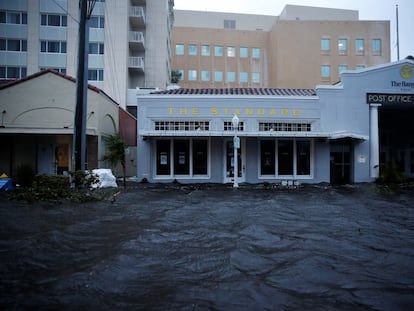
<point x="368" y="10"/>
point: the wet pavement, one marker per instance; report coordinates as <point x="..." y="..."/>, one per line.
<point x="212" y="248"/>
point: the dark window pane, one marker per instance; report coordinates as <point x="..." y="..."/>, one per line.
<point x="53" y="20"/>
<point x="267" y="154"/>
<point x="53" y="47"/>
<point x="13" y="72"/>
<point x="2" y="72"/>
<point x="43" y="20"/>
<point x="163" y="157"/>
<point x="200" y="157"/>
<point x="92" y="75"/>
<point x="24" y="72"/>
<point x="3" y="17"/>
<point x="24" y="18"/>
<point x="63" y="47"/>
<point x="285" y="157"/>
<point x="3" y="44"/>
<point x="64" y="21"/>
<point x="24" y="45"/>
<point x="303" y="157"/>
<point x="13" y="45"/>
<point x="13" y="18"/>
<point x="43" y="47"/>
<point x="181" y="157"/>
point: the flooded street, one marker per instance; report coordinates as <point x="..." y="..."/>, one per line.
<point x="212" y="248"/>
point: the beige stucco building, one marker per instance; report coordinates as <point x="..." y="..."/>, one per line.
<point x="37" y="124"/>
<point x="300" y="48"/>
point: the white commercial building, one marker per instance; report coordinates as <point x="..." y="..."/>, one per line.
<point x="339" y="133"/>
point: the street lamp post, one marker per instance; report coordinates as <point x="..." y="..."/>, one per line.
<point x="236" y="144"/>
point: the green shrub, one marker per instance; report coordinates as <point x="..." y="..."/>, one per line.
<point x="48" y="188"/>
<point x="391" y="174"/>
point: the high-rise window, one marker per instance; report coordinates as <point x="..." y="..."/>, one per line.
<point x="12" y="72"/>
<point x="192" y="49"/>
<point x="255" y="52"/>
<point x="52" y="46"/>
<point x="231" y="76"/>
<point x="95" y="74"/>
<point x="342" y="46"/>
<point x="218" y="50"/>
<point x="359" y="46"/>
<point x="96" y="48"/>
<point x="179" y="49"/>
<point x="205" y="50"/>
<point x="243" y="77"/>
<point x="54" y="20"/>
<point x="15" y="45"/>
<point x="244" y="52"/>
<point x="325" y="44"/>
<point x="13" y="17"/>
<point x="229" y="24"/>
<point x="205" y="75"/>
<point x="231" y="51"/>
<point x="218" y="76"/>
<point x="376" y="46"/>
<point x="97" y="22"/>
<point x="325" y="71"/>
<point x="192" y="75"/>
<point x="256" y="77"/>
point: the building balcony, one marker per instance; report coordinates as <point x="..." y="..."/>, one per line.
<point x="137" y="17"/>
<point x="136" y="41"/>
<point x="136" y="64"/>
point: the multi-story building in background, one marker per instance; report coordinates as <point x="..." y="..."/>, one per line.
<point x="300" y="48"/>
<point x="129" y="42"/>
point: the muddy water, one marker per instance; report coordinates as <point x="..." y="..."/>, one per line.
<point x="212" y="248"/>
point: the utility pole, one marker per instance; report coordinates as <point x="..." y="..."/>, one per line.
<point x="398" y="36"/>
<point x="79" y="136"/>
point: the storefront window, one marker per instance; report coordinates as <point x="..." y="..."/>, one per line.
<point x="181" y="157"/>
<point x="200" y="157"/>
<point x="293" y="157"/>
<point x="189" y="157"/>
<point x="303" y="157"/>
<point x="285" y="157"/>
<point x="267" y="148"/>
<point x="163" y="157"/>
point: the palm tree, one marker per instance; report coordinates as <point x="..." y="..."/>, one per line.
<point x="115" y="153"/>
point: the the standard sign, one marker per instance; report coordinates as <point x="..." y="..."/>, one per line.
<point x="378" y="98"/>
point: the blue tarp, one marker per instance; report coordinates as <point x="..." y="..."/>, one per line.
<point x="6" y="184"/>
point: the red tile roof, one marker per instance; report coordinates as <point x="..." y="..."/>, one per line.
<point x="40" y="73"/>
<point x="239" y="91"/>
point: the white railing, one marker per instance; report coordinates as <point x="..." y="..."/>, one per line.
<point x="136" y="36"/>
<point x="136" y="11"/>
<point x="136" y="62"/>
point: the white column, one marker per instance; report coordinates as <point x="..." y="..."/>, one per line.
<point x="374" y="140"/>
